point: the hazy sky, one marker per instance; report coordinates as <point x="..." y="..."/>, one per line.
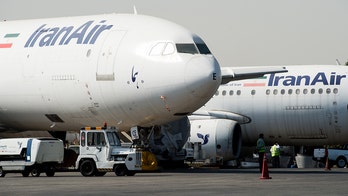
<point x="238" y="32"/>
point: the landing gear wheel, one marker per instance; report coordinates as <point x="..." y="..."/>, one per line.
<point x="87" y="168"/>
<point x="120" y="170"/>
<point x="2" y="173"/>
<point x="341" y="162"/>
<point x="35" y="172"/>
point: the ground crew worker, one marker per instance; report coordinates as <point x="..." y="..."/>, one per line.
<point x="260" y="147"/>
<point x="275" y="151"/>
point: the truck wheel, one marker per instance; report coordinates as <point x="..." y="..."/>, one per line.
<point x="341" y="162"/>
<point x="120" y="170"/>
<point x="2" y="173"/>
<point x="100" y="174"/>
<point x="130" y="173"/>
<point x="87" y="168"/>
<point x="26" y="172"/>
<point x="50" y="171"/>
<point x="35" y="172"/>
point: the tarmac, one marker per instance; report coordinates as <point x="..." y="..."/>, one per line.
<point x="192" y="181"/>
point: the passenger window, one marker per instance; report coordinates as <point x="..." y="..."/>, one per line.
<point x="298" y="91"/>
<point x="223" y="92"/>
<point x="186" y="48"/>
<point x="239" y="92"/>
<point x="169" y="49"/>
<point x="268" y="92"/>
<point x="253" y="92"/>
<point x="312" y="90"/>
<point x="320" y="91"/>
<point x="275" y="92"/>
<point x="290" y="91"/>
<point x="282" y="92"/>
<point x="335" y="90"/>
<point x="157" y="49"/>
<point x="231" y="92"/>
<point x="305" y="91"/>
<point x="328" y="91"/>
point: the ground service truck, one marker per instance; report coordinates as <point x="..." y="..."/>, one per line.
<point x="30" y="155"/>
<point x="101" y="152"/>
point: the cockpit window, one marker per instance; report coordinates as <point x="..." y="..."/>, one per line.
<point x="203" y="48"/>
<point x="169" y="49"/>
<point x="186" y="48"/>
<point x="157" y="49"/>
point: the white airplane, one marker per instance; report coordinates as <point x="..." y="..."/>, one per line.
<point x="134" y="72"/>
<point x="61" y="74"/>
<point x="307" y="106"/>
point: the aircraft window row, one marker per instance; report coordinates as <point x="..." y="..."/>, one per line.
<point x="298" y="91"/>
<point x="282" y="91"/>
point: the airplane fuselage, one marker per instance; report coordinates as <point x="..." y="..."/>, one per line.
<point x="308" y="105"/>
<point x="67" y="73"/>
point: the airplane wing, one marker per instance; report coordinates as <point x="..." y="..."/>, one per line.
<point x="240" y="73"/>
<point x="219" y="114"/>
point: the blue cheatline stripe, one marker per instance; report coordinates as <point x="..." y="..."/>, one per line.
<point x="28" y="156"/>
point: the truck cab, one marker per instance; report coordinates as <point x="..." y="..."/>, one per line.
<point x="101" y="152"/>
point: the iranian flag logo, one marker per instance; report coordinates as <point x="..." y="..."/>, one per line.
<point x="7" y="40"/>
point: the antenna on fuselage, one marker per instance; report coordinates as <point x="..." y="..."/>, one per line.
<point x="135" y="10"/>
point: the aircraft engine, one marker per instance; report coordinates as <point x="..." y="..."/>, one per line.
<point x="220" y="139"/>
<point x="167" y="141"/>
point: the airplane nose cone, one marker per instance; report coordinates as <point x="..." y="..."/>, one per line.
<point x="203" y="76"/>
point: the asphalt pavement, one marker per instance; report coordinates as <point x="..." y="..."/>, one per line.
<point x="193" y="181"/>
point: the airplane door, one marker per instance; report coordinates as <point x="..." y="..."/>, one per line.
<point x="107" y="56"/>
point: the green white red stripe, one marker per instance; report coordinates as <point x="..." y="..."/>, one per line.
<point x="8" y="43"/>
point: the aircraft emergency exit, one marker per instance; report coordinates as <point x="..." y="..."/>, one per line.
<point x="307" y="106"/>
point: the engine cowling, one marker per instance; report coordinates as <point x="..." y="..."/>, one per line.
<point x="221" y="139"/>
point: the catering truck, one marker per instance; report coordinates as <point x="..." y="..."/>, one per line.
<point x="30" y="155"/>
<point x="101" y="152"/>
